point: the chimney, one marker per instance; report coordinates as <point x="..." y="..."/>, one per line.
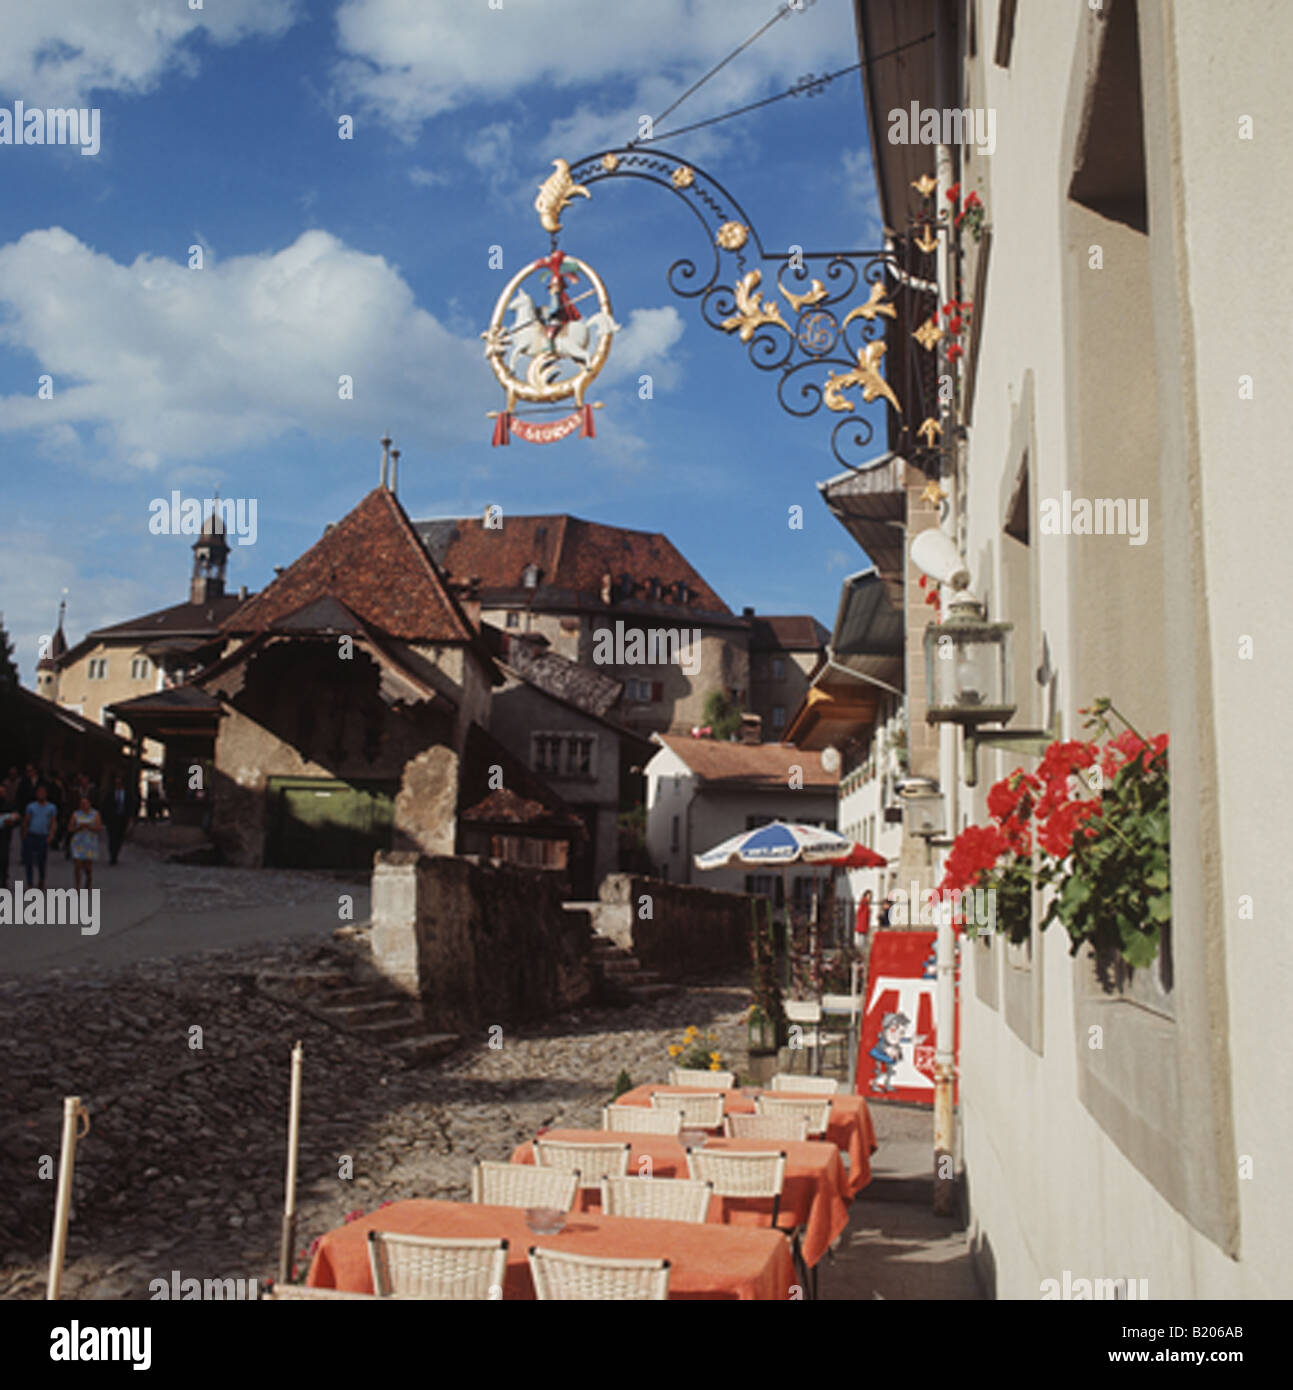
<point x="242" y="594"/>
<point x="395" y="464"/>
<point x="385" y="442"/>
<point x="751" y="728"/>
<point x="747" y="612"/>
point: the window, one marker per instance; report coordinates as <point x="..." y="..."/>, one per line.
<point x="761" y="885"/>
<point x="673" y="832"/>
<point x="778" y="668"/>
<point x="531" y="577"/>
<point x="564" y="754"/>
<point x="778" y="716"/>
<point x="98" y="668"/>
<point x="677" y="783"/>
<point x="637" y="690"/>
<point x="513" y="619"/>
<point x="139" y="666"/>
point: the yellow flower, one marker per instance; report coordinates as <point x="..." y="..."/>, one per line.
<point x="691" y="1033"/>
<point x="715" y="1056"/>
<point x="674" y="1050"/>
<point x="714" y="1066"/>
<point x="713" y="1037"/>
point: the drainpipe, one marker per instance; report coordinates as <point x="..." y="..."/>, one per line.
<point x="947" y="89"/>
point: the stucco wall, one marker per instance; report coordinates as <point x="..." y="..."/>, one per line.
<point x="1163" y="1157"/>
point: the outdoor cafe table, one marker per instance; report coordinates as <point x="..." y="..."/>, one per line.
<point x="814" y="1194"/>
<point x="709" y="1261"/>
<point x="850" y="1127"/>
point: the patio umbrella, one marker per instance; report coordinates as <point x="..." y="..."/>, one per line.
<point x="857" y="857"/>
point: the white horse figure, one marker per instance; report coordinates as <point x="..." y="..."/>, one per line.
<point x="528" y="337"/>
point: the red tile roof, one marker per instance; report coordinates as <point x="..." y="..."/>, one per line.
<point x="374" y="562"/>
<point x="750" y="764"/>
<point x="572" y="557"/>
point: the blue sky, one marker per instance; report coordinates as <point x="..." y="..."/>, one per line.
<point x="369" y="257"/>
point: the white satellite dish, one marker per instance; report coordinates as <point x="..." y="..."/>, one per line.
<point x="830" y="759"/>
<point x="934" y="553"/>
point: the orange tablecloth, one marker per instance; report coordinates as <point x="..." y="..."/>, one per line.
<point x="720" y="1262"/>
<point x="815" y="1193"/>
<point x="850" y="1130"/>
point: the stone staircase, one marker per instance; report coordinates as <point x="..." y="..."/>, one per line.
<point x="368" y="1009"/>
<point x="623" y="979"/>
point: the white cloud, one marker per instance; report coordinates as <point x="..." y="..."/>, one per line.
<point x="156" y="361"/>
<point x="410" y="60"/>
<point x="644" y="345"/>
<point x="427" y="178"/>
<point x="59" y="50"/>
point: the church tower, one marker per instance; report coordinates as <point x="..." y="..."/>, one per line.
<point x="210" y="556"/>
<point x="47" y="668"/>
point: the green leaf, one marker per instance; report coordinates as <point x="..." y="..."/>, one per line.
<point x="1139" y="949"/>
<point x="1160" y="907"/>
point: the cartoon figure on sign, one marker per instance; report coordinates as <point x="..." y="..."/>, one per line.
<point x="888" y="1051"/>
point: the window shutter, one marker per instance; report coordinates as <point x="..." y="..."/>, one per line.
<point x="657" y="691"/>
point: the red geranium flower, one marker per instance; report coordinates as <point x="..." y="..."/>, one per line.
<point x="956" y="324"/>
<point x="973" y="201"/>
<point x="954" y="193"/>
<point x="955" y="351"/>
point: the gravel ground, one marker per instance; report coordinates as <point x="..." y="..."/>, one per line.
<point x="183" y="1167"/>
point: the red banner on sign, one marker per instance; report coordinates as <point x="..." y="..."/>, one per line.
<point x="899" y="1025"/>
<point x="546" y="431"/>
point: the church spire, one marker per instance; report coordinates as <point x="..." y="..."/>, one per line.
<point x="210" y="557"/>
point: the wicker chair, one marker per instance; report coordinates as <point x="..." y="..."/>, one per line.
<point x="806" y="1015"/>
<point x="809" y="1085"/>
<point x="559" y="1275"/>
<point x="657" y="1199"/>
<point x="590" y="1162"/>
<point x="522" y="1185"/>
<point x="706" y="1080"/>
<point x="281" y="1293"/>
<point x="640" y="1119"/>
<point x="698" y="1111"/>
<point x="816" y="1112"/>
<point x="774" y="1125"/>
<point x="738" y="1174"/>
<point x="443" y="1268"/>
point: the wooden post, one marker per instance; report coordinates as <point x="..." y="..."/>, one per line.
<point x="73" y="1111"/>
<point x="288" y="1234"/>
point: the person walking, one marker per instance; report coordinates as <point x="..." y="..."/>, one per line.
<point x="84" y="828"/>
<point x="39" y="822"/>
<point x="863" y="923"/>
<point x="120" y="808"/>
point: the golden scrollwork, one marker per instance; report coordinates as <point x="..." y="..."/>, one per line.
<point x="555" y="193"/>
<point x="929" y="430"/>
<point x="872" y="307"/>
<point x="927" y="241"/>
<point x="925" y="185"/>
<point x="928" y="334"/>
<point x="682" y="177"/>
<point x="731" y="236"/>
<point x="866" y="375"/>
<point x="752" y="313"/>
<point x="815" y="293"/>
<point x="610" y="162"/>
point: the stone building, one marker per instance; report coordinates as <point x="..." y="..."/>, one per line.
<point x="627" y="603"/>
<point x="148" y="654"/>
<point x="340" y="711"/>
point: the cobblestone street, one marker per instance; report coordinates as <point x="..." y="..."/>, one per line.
<point x="183" y="1166"/>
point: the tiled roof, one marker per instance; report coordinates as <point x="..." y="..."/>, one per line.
<point x="792" y="632"/>
<point x="765" y="765"/>
<point x="203" y="619"/>
<point x="572" y="557"/>
<point x="582" y="686"/>
<point x="372" y="561"/>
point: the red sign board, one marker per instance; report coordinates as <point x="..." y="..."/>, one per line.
<point x="899" y="1022"/>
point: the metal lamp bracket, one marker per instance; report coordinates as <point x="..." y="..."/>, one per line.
<point x="1032" y="742"/>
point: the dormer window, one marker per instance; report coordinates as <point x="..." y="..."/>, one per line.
<point x="530" y="578"/>
<point x="626" y="585"/>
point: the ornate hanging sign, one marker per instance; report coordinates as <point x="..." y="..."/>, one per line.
<point x="551" y="350"/>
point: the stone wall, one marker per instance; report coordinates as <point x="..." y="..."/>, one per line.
<point x="689" y="931"/>
<point x="479" y="944"/>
